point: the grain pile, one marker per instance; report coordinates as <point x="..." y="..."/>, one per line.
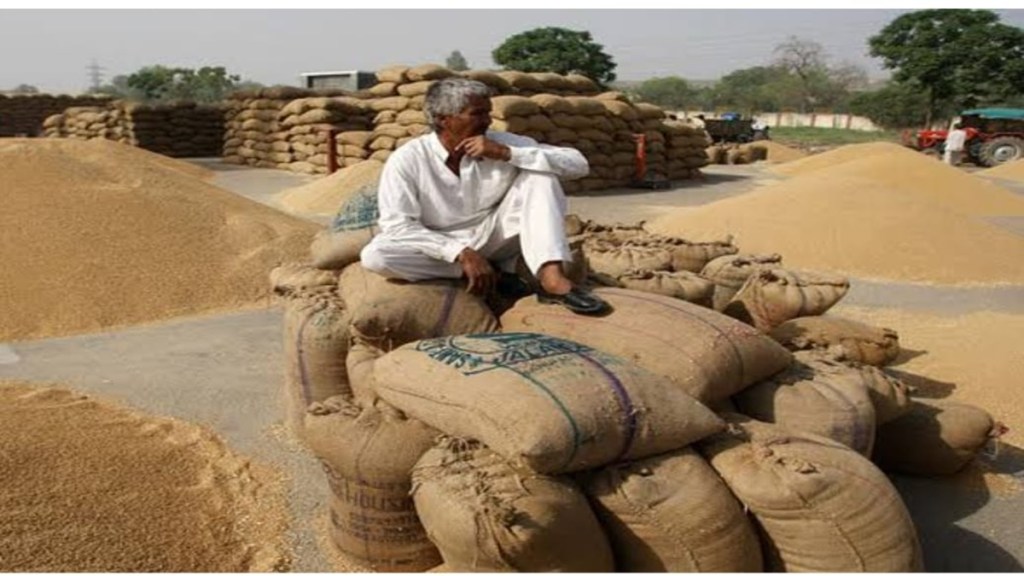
<point x="96" y="235"/>
<point x="24" y="114"/>
<point x="179" y="130"/>
<point x="1013" y="171"/>
<point x="873" y="211"/>
<point x="324" y="196"/>
<point x="92" y="487"/>
<point x="971" y="358"/>
<point x="779" y="153"/>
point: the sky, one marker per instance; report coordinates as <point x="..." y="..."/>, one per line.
<point x="52" y="49"/>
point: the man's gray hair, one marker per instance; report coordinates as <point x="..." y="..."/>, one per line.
<point x="450" y="96"/>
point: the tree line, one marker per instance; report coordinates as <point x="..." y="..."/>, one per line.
<point x="941" y="61"/>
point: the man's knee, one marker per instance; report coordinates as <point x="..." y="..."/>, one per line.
<point x="372" y="258"/>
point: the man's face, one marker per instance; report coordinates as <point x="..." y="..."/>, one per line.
<point x="472" y="121"/>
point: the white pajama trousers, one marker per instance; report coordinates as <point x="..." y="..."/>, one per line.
<point x="530" y="220"/>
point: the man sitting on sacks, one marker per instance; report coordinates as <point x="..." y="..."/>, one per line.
<point x="456" y="199"/>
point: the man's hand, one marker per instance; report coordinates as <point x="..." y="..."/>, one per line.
<point x="481" y="147"/>
<point x="481" y="275"/>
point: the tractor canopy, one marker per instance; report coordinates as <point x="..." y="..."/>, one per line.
<point x="996" y="113"/>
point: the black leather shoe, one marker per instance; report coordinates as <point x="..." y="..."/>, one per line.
<point x="511" y="286"/>
<point x="577" y="300"/>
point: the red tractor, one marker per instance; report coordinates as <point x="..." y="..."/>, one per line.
<point x="994" y="136"/>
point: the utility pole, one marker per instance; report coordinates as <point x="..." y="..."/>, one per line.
<point x="95" y="75"/>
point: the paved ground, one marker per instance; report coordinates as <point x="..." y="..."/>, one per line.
<point x="225" y="372"/>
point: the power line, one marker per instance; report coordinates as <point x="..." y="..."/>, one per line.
<point x="95" y="74"/>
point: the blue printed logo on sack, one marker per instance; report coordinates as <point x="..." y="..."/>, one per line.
<point x="359" y="212"/>
<point x="477" y="353"/>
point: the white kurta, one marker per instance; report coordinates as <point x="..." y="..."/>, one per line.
<point x="428" y="215"/>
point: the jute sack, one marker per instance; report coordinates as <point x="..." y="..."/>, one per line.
<point x="352" y="228"/>
<point x="830" y="403"/>
<point x="488" y="515"/>
<point x="820" y="506"/>
<point x="546" y="403"/>
<point x="686" y="255"/>
<point x="889" y="395"/>
<point x="367" y="452"/>
<point x="731" y="271"/>
<point x="505" y="107"/>
<point x="672" y="513"/>
<point x="315" y="345"/>
<point x="934" y="438"/>
<point x="857" y="341"/>
<point x="772" y="296"/>
<point x="706" y="354"/>
<point x="294" y="277"/>
<point x="683" y="285"/>
<point x="608" y="262"/>
<point x="400" y="312"/>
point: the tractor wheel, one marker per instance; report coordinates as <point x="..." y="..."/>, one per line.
<point x="1001" y="150"/>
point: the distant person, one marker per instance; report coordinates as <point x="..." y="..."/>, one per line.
<point x="462" y="201"/>
<point x="760" y="129"/>
<point x="955" y="142"/>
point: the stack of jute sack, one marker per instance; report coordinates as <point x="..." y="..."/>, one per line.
<point x="24" y="114"/>
<point x="252" y="124"/>
<point x="550" y="108"/>
<point x="88" y="122"/>
<point x="664" y="436"/>
<point x="177" y="129"/>
<point x="180" y="129"/>
<point x="733" y="153"/>
<point x="308" y="121"/>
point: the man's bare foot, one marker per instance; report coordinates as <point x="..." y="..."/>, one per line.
<point x="552" y="279"/>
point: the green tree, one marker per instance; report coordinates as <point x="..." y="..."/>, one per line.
<point x="555" y="50"/>
<point x="25" y="89"/>
<point x="207" y="84"/>
<point x="896" y="105"/>
<point x="456" y="61"/>
<point x="819" y="85"/>
<point x="958" y="57"/>
<point x="670" y="92"/>
<point x="756" y="89"/>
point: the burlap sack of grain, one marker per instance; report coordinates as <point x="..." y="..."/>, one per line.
<point x="586" y="408"/>
<point x="352" y="228"/>
<point x="498" y="84"/>
<point x="672" y="513"/>
<point x="394" y="131"/>
<point x="687" y="255"/>
<point x="428" y="72"/>
<point x="615" y="233"/>
<point x="367" y="452"/>
<point x="397" y="74"/>
<point x="731" y="271"/>
<point x="521" y="81"/>
<point x="820" y="506"/>
<point x="717" y="154"/>
<point x="363" y="353"/>
<point x="889" y="396"/>
<point x="830" y="403"/>
<point x="505" y="107"/>
<point x="706" y="354"/>
<point x="415" y="88"/>
<point x="358" y="138"/>
<point x="383" y="89"/>
<point x="552" y="104"/>
<point x="683" y="285"/>
<point x="316" y="340"/>
<point x="608" y="262"/>
<point x="488" y="515"/>
<point x="291" y="278"/>
<point x="401" y="312"/>
<point x="934" y="438"/>
<point x="395" y="103"/>
<point x="859" y="342"/>
<point x="580" y="84"/>
<point x="737" y="156"/>
<point x="770" y="297"/>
